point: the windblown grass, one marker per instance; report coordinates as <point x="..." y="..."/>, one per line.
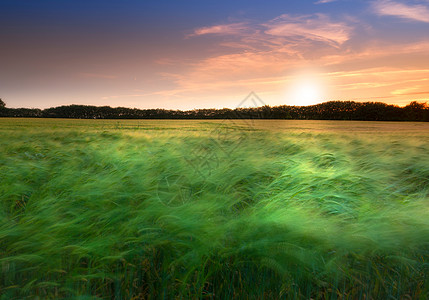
<point x="197" y="209"/>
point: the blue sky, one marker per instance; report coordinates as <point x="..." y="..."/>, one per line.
<point x="203" y="54"/>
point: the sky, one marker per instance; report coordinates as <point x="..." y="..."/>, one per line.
<point x="187" y="54"/>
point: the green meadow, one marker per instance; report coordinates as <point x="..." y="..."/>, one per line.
<point x="197" y="209"/>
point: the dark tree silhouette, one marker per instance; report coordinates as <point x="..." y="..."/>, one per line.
<point x="416" y="111"/>
<point x="332" y="110"/>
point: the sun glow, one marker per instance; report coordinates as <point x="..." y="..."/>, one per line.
<point x="304" y="90"/>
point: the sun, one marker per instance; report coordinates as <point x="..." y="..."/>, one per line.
<point x="307" y="93"/>
<point x="305" y="90"/>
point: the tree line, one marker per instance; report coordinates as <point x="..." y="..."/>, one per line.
<point x="332" y="110"/>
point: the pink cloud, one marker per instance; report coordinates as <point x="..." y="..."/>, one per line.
<point x="412" y="12"/>
<point x="313" y="27"/>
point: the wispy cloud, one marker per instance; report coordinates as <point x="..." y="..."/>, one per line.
<point x="395" y="84"/>
<point x="324" y="1"/>
<point x="413" y="90"/>
<point x="222" y="29"/>
<point x="316" y="27"/>
<point x="417" y="12"/>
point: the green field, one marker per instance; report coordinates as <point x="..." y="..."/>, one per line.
<point x="188" y="209"/>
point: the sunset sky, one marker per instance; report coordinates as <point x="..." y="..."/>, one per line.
<point x="185" y="54"/>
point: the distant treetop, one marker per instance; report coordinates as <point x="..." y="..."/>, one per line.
<point x="332" y="110"/>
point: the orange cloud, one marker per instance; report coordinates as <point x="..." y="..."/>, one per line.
<point x="413" y="90"/>
<point x="393" y="83"/>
